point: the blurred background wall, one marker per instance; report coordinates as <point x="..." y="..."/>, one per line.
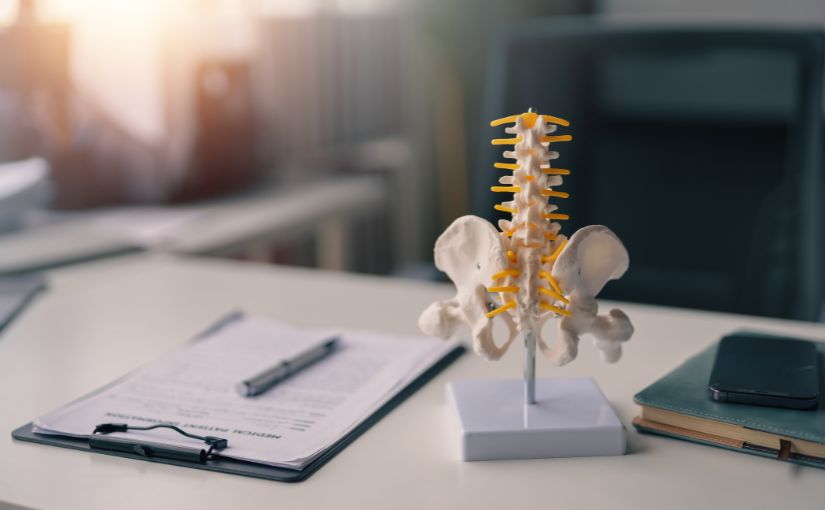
<point x="180" y="102"/>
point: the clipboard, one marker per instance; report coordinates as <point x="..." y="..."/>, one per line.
<point x="221" y="464"/>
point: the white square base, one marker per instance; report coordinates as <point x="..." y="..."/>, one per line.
<point x="571" y="418"/>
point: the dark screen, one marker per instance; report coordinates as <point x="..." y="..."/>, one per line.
<point x="782" y="367"/>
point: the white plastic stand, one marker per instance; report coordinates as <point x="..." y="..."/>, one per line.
<point x="570" y="418"/>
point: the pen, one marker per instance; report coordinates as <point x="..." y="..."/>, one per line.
<point x="270" y="377"/>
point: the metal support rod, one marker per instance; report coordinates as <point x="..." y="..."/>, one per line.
<point x="529" y="366"/>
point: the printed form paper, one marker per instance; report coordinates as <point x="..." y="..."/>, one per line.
<point x="289" y="425"/>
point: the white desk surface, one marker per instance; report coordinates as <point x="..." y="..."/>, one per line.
<point x="102" y="320"/>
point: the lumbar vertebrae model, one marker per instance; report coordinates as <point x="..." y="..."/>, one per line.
<point x="528" y="272"/>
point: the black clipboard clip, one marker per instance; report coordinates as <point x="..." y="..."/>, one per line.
<point x="101" y="441"/>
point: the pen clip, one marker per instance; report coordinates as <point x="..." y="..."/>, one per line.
<point x="148" y="450"/>
<point x="98" y="440"/>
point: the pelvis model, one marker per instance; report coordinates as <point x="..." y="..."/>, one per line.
<point x="526" y="271"/>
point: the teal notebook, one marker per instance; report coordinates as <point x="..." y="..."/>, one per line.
<point x="678" y="405"/>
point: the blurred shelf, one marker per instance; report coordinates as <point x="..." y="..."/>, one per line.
<point x="234" y="226"/>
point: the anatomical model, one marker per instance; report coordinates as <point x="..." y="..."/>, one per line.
<point x="528" y="272"/>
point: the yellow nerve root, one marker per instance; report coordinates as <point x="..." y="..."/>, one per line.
<point x="511" y="256"/>
<point x="550" y="307"/>
<point x="558" y="250"/>
<point x="499" y="207"/>
<point x="553" y="283"/>
<point x="505" y="273"/>
<point x="506" y="189"/>
<point x="507" y="166"/>
<point x="508" y="288"/>
<point x="505" y="306"/>
<point x="555" y="120"/>
<point x="553" y="294"/>
<point x="553" y="256"/>
<point x="552" y="193"/>
<point x="556" y="171"/>
<point x="555" y="216"/>
<point x="505" y="120"/>
<point x="558" y="138"/>
<point x="545" y="118"/>
<point x="506" y="141"/>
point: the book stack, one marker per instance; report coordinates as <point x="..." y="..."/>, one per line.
<point x="678" y="405"/>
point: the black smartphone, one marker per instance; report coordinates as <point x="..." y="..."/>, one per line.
<point x="756" y="369"/>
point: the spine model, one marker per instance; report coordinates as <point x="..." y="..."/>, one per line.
<point x="527" y="271"/>
<point x="526" y="286"/>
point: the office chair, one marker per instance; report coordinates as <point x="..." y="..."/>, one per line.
<point x="700" y="146"/>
